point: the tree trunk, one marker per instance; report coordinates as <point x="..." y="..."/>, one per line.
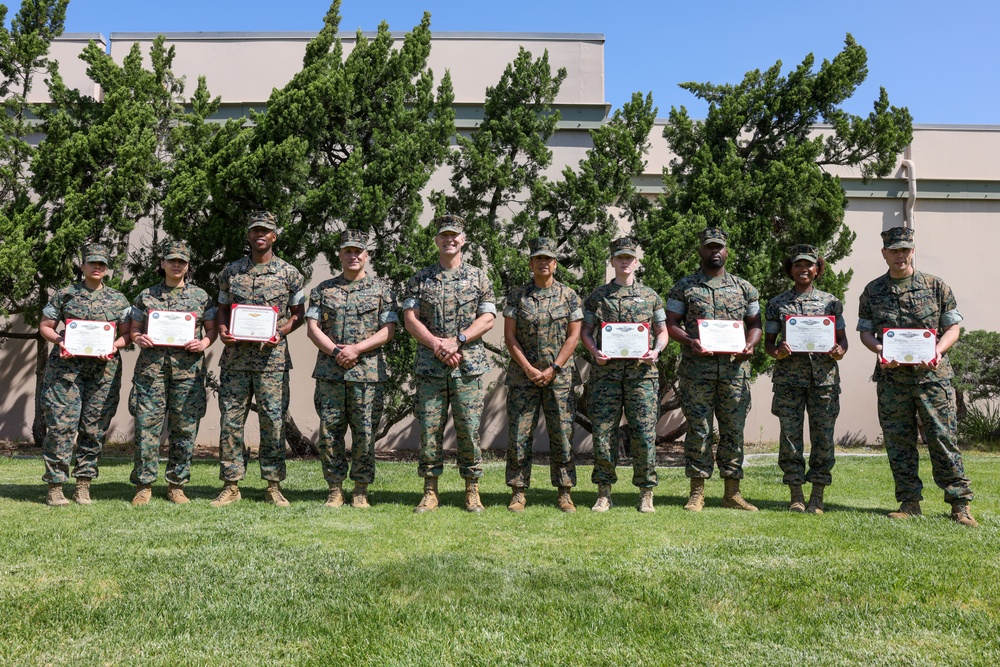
<point x="41" y="360"/>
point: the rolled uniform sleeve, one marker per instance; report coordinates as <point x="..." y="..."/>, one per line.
<point x="313" y="312"/>
<point x="487" y="299"/>
<point x="389" y="313"/>
<point x="865" y="320"/>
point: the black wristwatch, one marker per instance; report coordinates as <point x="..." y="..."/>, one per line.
<point x="557" y="367"/>
<point x="335" y="351"/>
<point x="462" y="339"/>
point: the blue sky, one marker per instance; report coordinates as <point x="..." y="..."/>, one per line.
<point x="936" y="58"/>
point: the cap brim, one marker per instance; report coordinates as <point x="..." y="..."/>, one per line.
<point x="353" y="244"/>
<point x="543" y="253"/>
<point x="96" y="258"/>
<point x="450" y="228"/>
<point x="812" y="258"/>
<point x="900" y="244"/>
<point x="175" y="255"/>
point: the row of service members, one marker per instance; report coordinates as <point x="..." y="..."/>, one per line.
<point x="448" y="307"/>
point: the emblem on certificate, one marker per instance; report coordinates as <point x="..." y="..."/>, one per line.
<point x="89" y="338"/>
<point x="810" y="333"/>
<point x="724" y="336"/>
<point x="624" y="340"/>
<point x="254" y="323"/>
<point x="909" y="346"/>
<point x="171" y="328"/>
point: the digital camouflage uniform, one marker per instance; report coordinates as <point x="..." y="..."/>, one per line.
<point x="254" y="370"/>
<point x="805" y="382"/>
<point x="909" y="393"/>
<point x="542" y="316"/>
<point x="449" y="302"/>
<point x="718" y="384"/>
<point x="623" y="384"/>
<point x="350" y="312"/>
<point x="80" y="394"/>
<point x="169" y="382"/>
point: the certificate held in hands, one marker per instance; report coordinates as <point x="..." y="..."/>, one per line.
<point x="624" y="340"/>
<point x="170" y="328"/>
<point x="810" y="333"/>
<point x="89" y="338"/>
<point x="723" y="336"/>
<point x="253" y="323"/>
<point x="909" y="347"/>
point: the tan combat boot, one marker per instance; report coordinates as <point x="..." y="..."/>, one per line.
<point x="272" y="494"/>
<point x="646" y="502"/>
<point x="816" y="499"/>
<point x="564" y="502"/>
<point x="472" y="502"/>
<point x="696" y="501"/>
<point x="603" y="503"/>
<point x="230" y="494"/>
<point x="54" y="496"/>
<point x="143" y="493"/>
<point x="517" y="499"/>
<point x="732" y="498"/>
<point x="907" y="510"/>
<point x="335" y="497"/>
<point x="359" y="497"/>
<point x="429" y="502"/>
<point x="81" y="494"/>
<point x="798" y="502"/>
<point x="960" y="514"/>
<point x="175" y="494"/>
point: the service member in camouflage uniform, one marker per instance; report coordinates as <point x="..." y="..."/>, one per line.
<point x="447" y="308"/>
<point x="805" y="381"/>
<point x="713" y="383"/>
<point x="169" y="381"/>
<point x="252" y="370"/>
<point x="350" y="318"/>
<point x="80" y="394"/>
<point x="629" y="385"/>
<point x="907" y="298"/>
<point x="542" y="323"/>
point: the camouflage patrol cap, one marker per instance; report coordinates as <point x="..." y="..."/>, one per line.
<point x="542" y="247"/>
<point x="263" y="219"/>
<point x="95" y="252"/>
<point x="897" y="237"/>
<point x="803" y="251"/>
<point x="712" y="235"/>
<point x="450" y="223"/>
<point x="177" y="250"/>
<point x="626" y="245"/>
<point x="354" y="238"/>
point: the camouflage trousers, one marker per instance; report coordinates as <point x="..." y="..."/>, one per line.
<point x="339" y="404"/>
<point x="179" y="402"/>
<point x="236" y="389"/>
<point x="899" y="407"/>
<point x="789" y="406"/>
<point x="729" y="401"/>
<point x="78" y="409"/>
<point x="607" y="398"/>
<point x="524" y="404"/>
<point x="465" y="395"/>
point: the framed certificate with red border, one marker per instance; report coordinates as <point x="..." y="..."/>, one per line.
<point x="811" y="334"/>
<point x="253" y="323"/>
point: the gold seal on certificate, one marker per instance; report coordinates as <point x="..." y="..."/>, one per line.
<point x="909" y="346"/>
<point x="170" y="328"/>
<point x="624" y="340"/>
<point x="255" y="323"/>
<point x="724" y="336"/>
<point x="89" y="338"/>
<point x="810" y="333"/>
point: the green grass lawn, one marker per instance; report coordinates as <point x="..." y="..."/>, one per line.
<point x="256" y="585"/>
